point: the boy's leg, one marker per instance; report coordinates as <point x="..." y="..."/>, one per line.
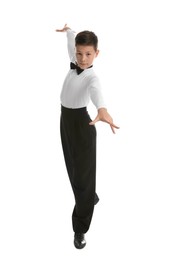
<point x="66" y="148"/>
<point x="79" y="147"/>
<point x="84" y="177"/>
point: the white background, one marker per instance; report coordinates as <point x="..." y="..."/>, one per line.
<point x="133" y="217"/>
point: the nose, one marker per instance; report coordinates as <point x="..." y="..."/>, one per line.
<point x="83" y="57"/>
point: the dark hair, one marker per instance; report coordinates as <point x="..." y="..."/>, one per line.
<point x="86" y="38"/>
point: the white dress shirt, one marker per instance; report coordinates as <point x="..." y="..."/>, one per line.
<point x="77" y="89"/>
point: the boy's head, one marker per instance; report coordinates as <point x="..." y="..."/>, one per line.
<point x="87" y="38"/>
<point x="86" y="43"/>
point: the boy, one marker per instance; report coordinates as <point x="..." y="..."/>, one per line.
<point x="78" y="133"/>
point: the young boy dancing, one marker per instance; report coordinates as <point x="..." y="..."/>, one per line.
<point x="78" y="132"/>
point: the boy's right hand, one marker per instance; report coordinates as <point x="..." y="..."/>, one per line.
<point x="64" y="29"/>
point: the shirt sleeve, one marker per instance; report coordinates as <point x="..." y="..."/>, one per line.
<point x="71" y="44"/>
<point x="96" y="94"/>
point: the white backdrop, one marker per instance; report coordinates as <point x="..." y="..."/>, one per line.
<point x="133" y="217"/>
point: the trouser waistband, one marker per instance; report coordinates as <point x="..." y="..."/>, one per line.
<point x="73" y="111"/>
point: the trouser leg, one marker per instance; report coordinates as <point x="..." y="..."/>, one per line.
<point x="84" y="189"/>
<point x="79" y="147"/>
<point x="65" y="140"/>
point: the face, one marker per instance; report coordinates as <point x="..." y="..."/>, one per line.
<point x="85" y="56"/>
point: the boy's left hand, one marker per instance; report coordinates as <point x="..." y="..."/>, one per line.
<point x="64" y="29"/>
<point x="104" y="116"/>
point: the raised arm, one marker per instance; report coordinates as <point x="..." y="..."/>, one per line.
<point x="70" y="41"/>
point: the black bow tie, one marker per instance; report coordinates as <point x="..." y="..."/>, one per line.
<point x="73" y="66"/>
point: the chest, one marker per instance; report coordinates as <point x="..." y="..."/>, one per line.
<point x="77" y="82"/>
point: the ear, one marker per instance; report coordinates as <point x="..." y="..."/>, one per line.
<point x="97" y="52"/>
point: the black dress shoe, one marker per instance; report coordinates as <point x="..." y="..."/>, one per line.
<point x="96" y="199"/>
<point x="79" y="240"/>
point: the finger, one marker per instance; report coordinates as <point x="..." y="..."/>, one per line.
<point x="59" y="30"/>
<point x="94" y="121"/>
<point x="113" y="130"/>
<point x="115" y="126"/>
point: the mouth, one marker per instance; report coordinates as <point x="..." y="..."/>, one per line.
<point x="82" y="65"/>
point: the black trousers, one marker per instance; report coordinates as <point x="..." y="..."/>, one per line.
<point x="79" y="148"/>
